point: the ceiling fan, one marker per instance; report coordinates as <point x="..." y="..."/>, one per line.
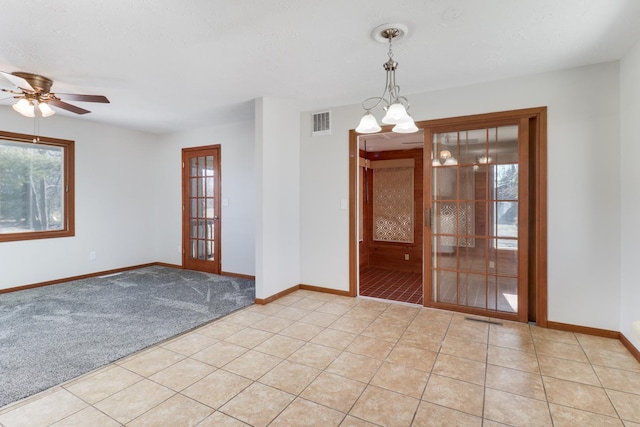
<point x="35" y="90"/>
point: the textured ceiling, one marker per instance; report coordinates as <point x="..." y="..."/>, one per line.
<point x="170" y="64"/>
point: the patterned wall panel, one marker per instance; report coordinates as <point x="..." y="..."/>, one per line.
<point x="393" y="205"/>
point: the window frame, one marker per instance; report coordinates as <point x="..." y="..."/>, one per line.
<point x="68" y="146"/>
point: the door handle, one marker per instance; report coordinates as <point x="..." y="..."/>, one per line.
<point x="427" y="217"/>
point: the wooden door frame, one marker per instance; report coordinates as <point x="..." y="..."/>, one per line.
<point x="537" y="118"/>
<point x="217" y="205"/>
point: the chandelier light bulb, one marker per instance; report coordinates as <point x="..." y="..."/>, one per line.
<point x="396" y="113"/>
<point x="405" y="126"/>
<point x="368" y="124"/>
<point x="24" y="107"/>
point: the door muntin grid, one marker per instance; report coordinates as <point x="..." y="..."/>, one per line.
<point x="475" y="218"/>
<point x="202" y="199"/>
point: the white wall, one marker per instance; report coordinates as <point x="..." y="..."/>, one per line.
<point x="583" y="192"/>
<point x="238" y="190"/>
<point x="324" y="180"/>
<point x="286" y="190"/>
<point x="278" y="196"/>
<point x="630" y="179"/>
<point x="114" y="201"/>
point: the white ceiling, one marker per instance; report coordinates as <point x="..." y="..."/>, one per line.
<point x="170" y="64"/>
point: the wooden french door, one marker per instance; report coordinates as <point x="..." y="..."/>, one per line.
<point x="201" y="208"/>
<point x="477" y="220"/>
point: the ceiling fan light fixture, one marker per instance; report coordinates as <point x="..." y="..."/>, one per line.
<point x="368" y="124"/>
<point x="45" y="110"/>
<point x="35" y="90"/>
<point x="24" y="107"/>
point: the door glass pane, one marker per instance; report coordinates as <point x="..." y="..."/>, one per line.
<point x="200" y="192"/>
<point x="503" y="145"/>
<point x="472" y="290"/>
<point x="193" y="252"/>
<point x="209" y="166"/>
<point x="474" y="258"/>
<point x="466" y="223"/>
<point x="209" y="212"/>
<point x="446" y="289"/>
<point x="445" y="183"/>
<point x="445" y="149"/>
<point x="506" y="262"/>
<point x="475" y="218"/>
<point x="507" y="181"/>
<point x="508" y="294"/>
<point x="506" y="223"/>
<point x="492" y="293"/>
<point x="467" y="179"/>
<point x="209" y="184"/>
<point x="193" y="187"/>
<point x="194" y="166"/>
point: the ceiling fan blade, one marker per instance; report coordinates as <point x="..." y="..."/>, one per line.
<point x="83" y="98"/>
<point x="18" y="81"/>
<point x="68" y="107"/>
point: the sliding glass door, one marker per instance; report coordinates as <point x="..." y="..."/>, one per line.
<point x="476" y="224"/>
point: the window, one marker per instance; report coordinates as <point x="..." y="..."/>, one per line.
<point x="36" y="187"/>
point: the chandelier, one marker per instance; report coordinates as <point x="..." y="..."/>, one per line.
<point x="395" y="106"/>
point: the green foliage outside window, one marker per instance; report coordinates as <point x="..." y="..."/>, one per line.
<point x="34" y="189"/>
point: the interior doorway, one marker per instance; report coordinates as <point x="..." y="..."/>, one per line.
<point x="390" y="228"/>
<point x="201" y="209"/>
<point x="483" y="214"/>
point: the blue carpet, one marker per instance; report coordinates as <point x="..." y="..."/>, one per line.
<point x="52" y="334"/>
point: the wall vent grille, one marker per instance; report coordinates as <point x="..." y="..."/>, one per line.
<point x="321" y="123"/>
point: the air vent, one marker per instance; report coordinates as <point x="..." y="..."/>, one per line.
<point x="321" y="123"/>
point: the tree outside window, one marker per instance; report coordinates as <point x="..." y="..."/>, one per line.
<point x="36" y="187"/>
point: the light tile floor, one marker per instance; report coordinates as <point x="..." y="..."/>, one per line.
<point x="313" y="359"/>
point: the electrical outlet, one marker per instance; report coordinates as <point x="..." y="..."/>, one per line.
<point x="92" y="255"/>
<point x="492" y="264"/>
<point x="179" y="249"/>
<point x="406" y="257"/>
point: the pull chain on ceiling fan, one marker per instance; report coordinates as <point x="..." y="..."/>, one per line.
<point x="35" y="91"/>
